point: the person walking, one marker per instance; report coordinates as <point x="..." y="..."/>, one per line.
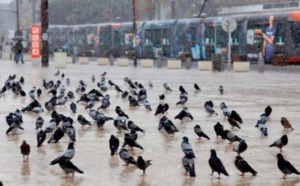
<point x="18" y="49"/>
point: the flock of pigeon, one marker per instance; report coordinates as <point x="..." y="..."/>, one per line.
<point x="60" y="125"/>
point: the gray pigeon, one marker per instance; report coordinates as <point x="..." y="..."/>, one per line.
<point x="187" y="148"/>
<point x="280" y="142"/>
<point x="126" y="157"/>
<point x="167" y="88"/>
<point x="147" y="105"/>
<point x="240" y="147"/>
<point x="199" y="132"/>
<point x="189" y="166"/>
<point x="73" y="107"/>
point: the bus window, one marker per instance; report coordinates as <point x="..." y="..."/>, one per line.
<point x="280" y="33"/>
<point x="296" y="33"/>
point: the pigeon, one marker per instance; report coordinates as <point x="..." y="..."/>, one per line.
<point x="37" y="109"/>
<point x="161" y="97"/>
<point x="82" y="121"/>
<point x="225" y="110"/>
<point x="147" y="105"/>
<point x="219" y="129"/>
<point x="209" y="107"/>
<point x="221" y="89"/>
<point x="41" y="136"/>
<point x="62" y="101"/>
<point x="101" y="120"/>
<point x="133" y="102"/>
<point x="90" y="104"/>
<point x="22" y="80"/>
<point x="261" y="124"/>
<point x="39" y="92"/>
<point x="125" y="94"/>
<point x="150" y="84"/>
<point x="51" y="126"/>
<point x="285" y="166"/>
<point x="70" y="95"/>
<point x="197" y="88"/>
<point x="113" y="145"/>
<point x="68" y="167"/>
<point x="57" y="135"/>
<point x="117" y="88"/>
<point x="230" y="136"/>
<point x="161" y="109"/>
<point x="142" y="164"/>
<point x="103" y="74"/>
<point x="199" y="132"/>
<point x="57" y="73"/>
<point x="182" y="99"/>
<point x="243" y="166"/>
<point x="132" y="126"/>
<point x="133" y="134"/>
<point x="233" y="123"/>
<point x="187" y="148"/>
<point x="240" y="147"/>
<point x="268" y="110"/>
<point x="126" y="157"/>
<point x="111" y="83"/>
<point x="216" y="164"/>
<point x="105" y="103"/>
<point x="167" y="88"/>
<point x="93" y="78"/>
<point x="280" y="142"/>
<point x="39" y="122"/>
<point x="169" y="127"/>
<point x="182" y="90"/>
<point x="286" y="124"/>
<point x="235" y="116"/>
<point x="25" y="150"/>
<point x="128" y="140"/>
<point x="120" y="112"/>
<point x="120" y="123"/>
<point x="189" y="166"/>
<point x="32" y="93"/>
<point x="71" y="131"/>
<point x="14" y="122"/>
<point x="73" y="107"/>
<point x="68" y="81"/>
<point x="183" y="114"/>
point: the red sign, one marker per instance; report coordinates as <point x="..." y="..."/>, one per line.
<point x="35" y="41"/>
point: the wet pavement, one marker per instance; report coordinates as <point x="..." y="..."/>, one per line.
<point x="247" y="93"/>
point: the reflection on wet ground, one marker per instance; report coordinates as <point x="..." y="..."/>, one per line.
<point x="247" y="93"/>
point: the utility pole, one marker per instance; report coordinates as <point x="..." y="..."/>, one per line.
<point x="173" y="2"/>
<point x="134" y="31"/>
<point x="44" y="28"/>
<point x="17" y="12"/>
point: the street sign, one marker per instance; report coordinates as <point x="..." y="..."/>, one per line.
<point x="229" y="24"/>
<point x="35" y="41"/>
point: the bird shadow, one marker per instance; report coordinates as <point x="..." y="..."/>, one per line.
<point x="290" y="182"/>
<point x="25" y="169"/>
<point x="13" y="137"/>
<point x="188" y="180"/>
<point x="228" y="147"/>
<point x="143" y="182"/>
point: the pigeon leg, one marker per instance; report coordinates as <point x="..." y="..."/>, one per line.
<point x="242" y="174"/>
<point x="73" y="174"/>
<point x="66" y="176"/>
<point x="280" y="149"/>
<point x="199" y="138"/>
<point x="284" y="176"/>
<point x="125" y="165"/>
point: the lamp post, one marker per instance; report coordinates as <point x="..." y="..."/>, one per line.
<point x="134" y="30"/>
<point x="44" y="28"/>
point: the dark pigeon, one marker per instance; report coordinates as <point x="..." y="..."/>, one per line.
<point x="216" y="164"/>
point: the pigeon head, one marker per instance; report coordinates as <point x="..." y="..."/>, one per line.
<point x="24" y="142"/>
<point x="197" y="126"/>
<point x="213" y="153"/>
<point x="185" y="139"/>
<point x="279" y="156"/>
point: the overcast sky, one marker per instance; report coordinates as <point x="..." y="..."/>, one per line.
<point x="5" y="1"/>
